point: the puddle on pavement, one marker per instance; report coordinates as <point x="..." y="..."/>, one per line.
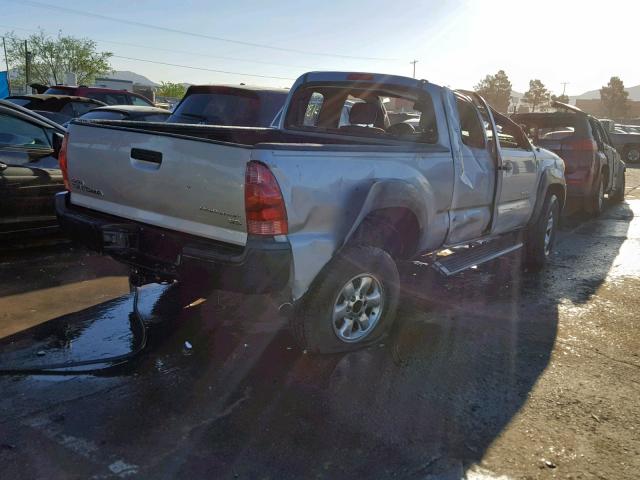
<point x="104" y="333"/>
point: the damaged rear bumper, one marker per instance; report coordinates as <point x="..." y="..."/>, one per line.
<point x="263" y="265"/>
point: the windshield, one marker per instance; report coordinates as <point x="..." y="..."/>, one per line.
<point x="226" y="109"/>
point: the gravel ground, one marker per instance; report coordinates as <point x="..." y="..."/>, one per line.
<point x="492" y="374"/>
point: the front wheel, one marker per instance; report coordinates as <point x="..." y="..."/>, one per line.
<point x="541" y="235"/>
<point x="351" y="304"/>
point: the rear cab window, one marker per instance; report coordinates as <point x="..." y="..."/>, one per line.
<point x="364" y="111"/>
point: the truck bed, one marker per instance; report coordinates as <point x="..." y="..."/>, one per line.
<point x="244" y="136"/>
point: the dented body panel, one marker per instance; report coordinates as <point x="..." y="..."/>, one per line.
<point x="456" y="192"/>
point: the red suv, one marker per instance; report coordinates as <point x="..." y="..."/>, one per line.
<point x="593" y="166"/>
<point x="106" y="95"/>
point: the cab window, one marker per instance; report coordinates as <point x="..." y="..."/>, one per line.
<point x="510" y="135"/>
<point x="471" y="128"/>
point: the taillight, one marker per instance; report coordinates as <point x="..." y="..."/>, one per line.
<point x="62" y="161"/>
<point x="264" y="205"/>
<point x="580" y="144"/>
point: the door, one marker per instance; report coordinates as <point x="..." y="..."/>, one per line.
<point x="475" y="180"/>
<point x="29" y="175"/>
<point x="519" y="172"/>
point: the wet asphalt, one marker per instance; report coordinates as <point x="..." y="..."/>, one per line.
<point x="493" y="373"/>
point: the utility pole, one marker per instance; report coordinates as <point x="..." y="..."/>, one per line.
<point x="27" y="67"/>
<point x="564" y="86"/>
<point x="414" y="67"/>
<point x="6" y="62"/>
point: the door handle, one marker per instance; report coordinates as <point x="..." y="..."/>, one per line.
<point x="150" y="156"/>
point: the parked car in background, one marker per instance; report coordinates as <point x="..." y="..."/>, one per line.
<point x="629" y="128"/>
<point x="108" y="96"/>
<point x="128" y="112"/>
<point x="29" y="171"/>
<point x="593" y="166"/>
<point x="243" y="106"/>
<point x="627" y="143"/>
<point x="318" y="210"/>
<point x="59" y="108"/>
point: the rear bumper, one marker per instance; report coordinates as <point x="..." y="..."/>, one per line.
<point x="261" y="266"/>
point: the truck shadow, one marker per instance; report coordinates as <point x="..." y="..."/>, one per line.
<point x="462" y="361"/>
<point x="222" y="377"/>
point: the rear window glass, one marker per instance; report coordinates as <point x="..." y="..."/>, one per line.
<point x="109" y="98"/>
<point x="228" y="109"/>
<point x="103" y="115"/>
<point x="59" y="91"/>
<point x="366" y="112"/>
<point x="551" y="127"/>
<point x="19" y="101"/>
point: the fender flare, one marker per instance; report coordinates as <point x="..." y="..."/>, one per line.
<point x="548" y="178"/>
<point x="391" y="194"/>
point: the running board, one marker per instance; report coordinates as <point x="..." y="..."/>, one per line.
<point x="465" y="258"/>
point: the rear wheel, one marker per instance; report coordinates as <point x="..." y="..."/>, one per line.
<point x="595" y="202"/>
<point x="541" y="236"/>
<point x="632" y="154"/>
<point x="618" y="195"/>
<point x="352" y="303"/>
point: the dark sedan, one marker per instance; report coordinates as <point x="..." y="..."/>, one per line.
<point x="59" y="108"/>
<point x="29" y="172"/>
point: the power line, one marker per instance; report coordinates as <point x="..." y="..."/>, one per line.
<point x="191" y="67"/>
<point x="202" y="68"/>
<point x="182" y="52"/>
<point x="192" y="34"/>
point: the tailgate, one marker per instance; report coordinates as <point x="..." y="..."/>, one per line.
<point x="181" y="184"/>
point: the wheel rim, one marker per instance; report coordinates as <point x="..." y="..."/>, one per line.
<point x="358" y="308"/>
<point x="548" y="233"/>
<point x="633" y="155"/>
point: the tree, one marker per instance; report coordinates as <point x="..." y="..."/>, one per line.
<point x="614" y="98"/>
<point x="172" y="90"/>
<point x="496" y="90"/>
<point x="537" y="95"/>
<point x="53" y="57"/>
<point x="564" y="98"/>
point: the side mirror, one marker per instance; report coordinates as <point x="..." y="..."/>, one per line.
<point x="57" y="143"/>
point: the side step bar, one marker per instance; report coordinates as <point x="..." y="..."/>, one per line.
<point x="464" y="258"/>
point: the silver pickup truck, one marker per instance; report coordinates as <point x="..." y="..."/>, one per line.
<point x="317" y="211"/>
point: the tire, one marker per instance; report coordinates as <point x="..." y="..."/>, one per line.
<point x="594" y="204"/>
<point x="632" y="154"/>
<point x="541" y="236"/>
<point x="618" y="195"/>
<point x="324" y="320"/>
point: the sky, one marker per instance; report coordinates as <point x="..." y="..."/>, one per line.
<point x="455" y="42"/>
